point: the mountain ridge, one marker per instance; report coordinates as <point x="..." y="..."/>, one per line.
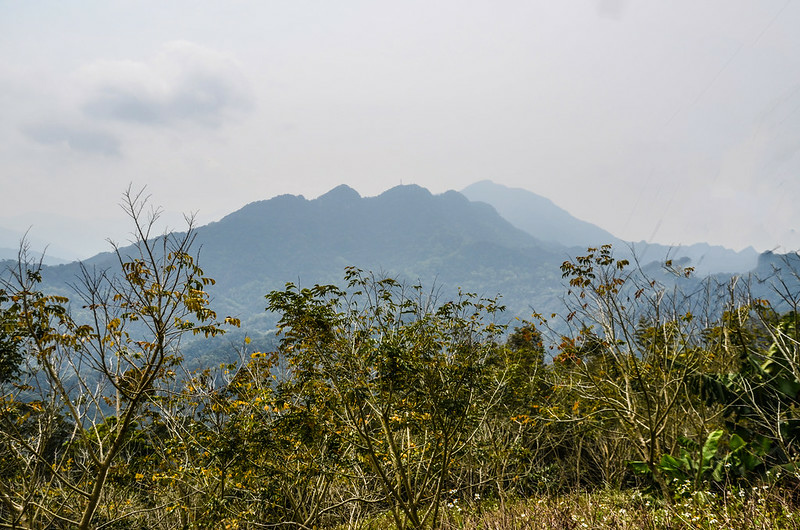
<point x="541" y="217"/>
<point x="406" y="232"/>
<point x="536" y="214"/>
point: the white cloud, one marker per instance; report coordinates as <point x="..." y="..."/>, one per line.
<point x="184" y="82"/>
<point x="92" y="110"/>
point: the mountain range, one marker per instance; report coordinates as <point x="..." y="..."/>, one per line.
<point x="445" y="241"/>
<point x="488" y="240"/>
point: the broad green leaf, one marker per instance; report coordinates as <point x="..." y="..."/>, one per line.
<point x="711" y="446"/>
<point x="669" y="462"/>
<point x="736" y="442"/>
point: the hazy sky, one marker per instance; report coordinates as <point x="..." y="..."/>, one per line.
<point x="671" y="121"/>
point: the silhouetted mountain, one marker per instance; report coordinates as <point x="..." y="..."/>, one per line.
<point x="541" y="218"/>
<point x="444" y="241"/>
<point x="405" y="232"/>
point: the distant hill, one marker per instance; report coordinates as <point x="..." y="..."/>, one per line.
<point x="9" y="247"/>
<point x="706" y="259"/>
<point x="47" y="259"/>
<point x="445" y="241"/>
<point x="541" y="218"/>
<point x="407" y="232"/>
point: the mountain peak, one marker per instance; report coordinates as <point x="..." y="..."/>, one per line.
<point x="341" y="193"/>
<point x="484" y="184"/>
<point x="407" y="190"/>
<point x="538" y="215"/>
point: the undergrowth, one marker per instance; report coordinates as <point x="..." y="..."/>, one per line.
<point x="759" y="507"/>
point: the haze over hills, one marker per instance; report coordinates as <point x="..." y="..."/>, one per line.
<point x="444" y="241"/>
<point x="65" y="238"/>
<point x="7" y="253"/>
<point x="542" y="218"/>
<point x="40" y="249"/>
<point x="539" y="215"/>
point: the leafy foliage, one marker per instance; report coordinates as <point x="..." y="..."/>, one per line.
<point x="381" y="403"/>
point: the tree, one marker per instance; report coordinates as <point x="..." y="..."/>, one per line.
<point x="759" y="389"/>
<point x="390" y="377"/>
<point x="10" y="342"/>
<point x="504" y="454"/>
<point x="97" y="371"/>
<point x="636" y="347"/>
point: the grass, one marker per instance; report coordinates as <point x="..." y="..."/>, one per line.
<point x="755" y="507"/>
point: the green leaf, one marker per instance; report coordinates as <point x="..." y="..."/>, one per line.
<point x="670" y="463"/>
<point x="717" y="473"/>
<point x="711" y="446"/>
<point x="750" y="461"/>
<point x="736" y="442"/>
<point x="639" y="468"/>
<point x="687" y="443"/>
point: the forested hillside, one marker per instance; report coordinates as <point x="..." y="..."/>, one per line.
<point x="648" y="398"/>
<point x="443" y="240"/>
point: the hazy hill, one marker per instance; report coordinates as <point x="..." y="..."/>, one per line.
<point x="706" y="259"/>
<point x="538" y="215"/>
<point x="9" y="247"/>
<point x="406" y="231"/>
<point x="47" y="259"/>
<point x="443" y="240"/>
<point x="541" y="218"/>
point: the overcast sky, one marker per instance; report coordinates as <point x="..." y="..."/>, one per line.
<point x="674" y="121"/>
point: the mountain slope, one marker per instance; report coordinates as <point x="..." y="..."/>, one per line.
<point x="405" y="231"/>
<point x="541" y="218"/>
<point x="443" y="240"/>
<point x="538" y="215"/>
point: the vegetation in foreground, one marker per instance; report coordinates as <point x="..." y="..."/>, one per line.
<point x="386" y="407"/>
<point x="756" y="507"/>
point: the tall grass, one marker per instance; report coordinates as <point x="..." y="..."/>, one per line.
<point x="759" y="507"/>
